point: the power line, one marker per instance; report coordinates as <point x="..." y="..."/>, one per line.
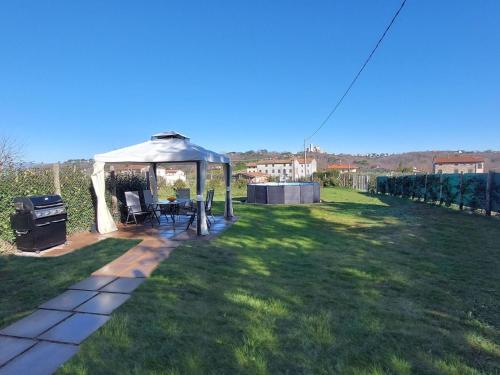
<point x="358" y="74"/>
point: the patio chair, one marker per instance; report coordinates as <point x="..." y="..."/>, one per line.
<point x="208" y="206"/>
<point x="208" y="210"/>
<point x="151" y="205"/>
<point x="134" y="208"/>
<point x="183" y="194"/>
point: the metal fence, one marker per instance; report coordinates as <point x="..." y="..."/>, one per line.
<point x="474" y="190"/>
<point x="361" y="182"/>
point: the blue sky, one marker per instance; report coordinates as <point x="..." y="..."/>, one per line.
<point x="83" y="77"/>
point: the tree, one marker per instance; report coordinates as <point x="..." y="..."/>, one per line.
<point x="10" y="153"/>
<point x="179" y="184"/>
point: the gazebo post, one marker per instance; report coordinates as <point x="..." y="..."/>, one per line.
<point x="201" y="217"/>
<point x="228" y="206"/>
<point x="154" y="186"/>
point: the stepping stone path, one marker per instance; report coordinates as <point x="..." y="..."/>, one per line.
<point x="41" y="342"/>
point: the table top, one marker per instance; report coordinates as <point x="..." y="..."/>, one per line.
<point x="167" y="202"/>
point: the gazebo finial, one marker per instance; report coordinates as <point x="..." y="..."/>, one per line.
<point x="168" y="135"/>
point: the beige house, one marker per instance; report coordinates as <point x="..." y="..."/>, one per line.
<point x="458" y="164"/>
<point x="342" y="168"/>
<point x="251" y="177"/>
<point x="285" y="169"/>
<point x="171" y="175"/>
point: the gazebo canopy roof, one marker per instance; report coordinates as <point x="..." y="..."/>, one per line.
<point x="162" y="148"/>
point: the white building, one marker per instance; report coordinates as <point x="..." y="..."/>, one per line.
<point x="171" y="175"/>
<point x="285" y="169"/>
<point x="315" y="148"/>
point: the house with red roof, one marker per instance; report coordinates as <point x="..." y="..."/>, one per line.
<point x="458" y="164"/>
<point x="342" y="168"/>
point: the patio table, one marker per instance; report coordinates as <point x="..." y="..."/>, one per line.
<point x="171" y="207"/>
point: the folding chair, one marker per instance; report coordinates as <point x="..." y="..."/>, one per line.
<point x="208" y="206"/>
<point x="183" y="194"/>
<point x="134" y="208"/>
<point x="151" y="205"/>
<point x="208" y="210"/>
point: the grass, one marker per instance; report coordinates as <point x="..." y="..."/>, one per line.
<point x="26" y="282"/>
<point x="360" y="285"/>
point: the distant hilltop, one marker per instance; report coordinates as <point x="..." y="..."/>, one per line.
<point x="420" y="161"/>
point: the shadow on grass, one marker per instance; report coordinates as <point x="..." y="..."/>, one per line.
<point x="382" y="286"/>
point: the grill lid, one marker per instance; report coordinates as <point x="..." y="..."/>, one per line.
<point x="37" y="202"/>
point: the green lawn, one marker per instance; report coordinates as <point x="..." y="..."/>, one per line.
<point x="26" y="282"/>
<point x="360" y="285"/>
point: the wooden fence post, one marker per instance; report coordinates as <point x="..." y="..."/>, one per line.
<point x="489" y="184"/>
<point x="425" y="188"/>
<point x="114" y="199"/>
<point x="440" y="189"/>
<point x="460" y="186"/>
<point x="57" y="181"/>
<point x="413" y="179"/>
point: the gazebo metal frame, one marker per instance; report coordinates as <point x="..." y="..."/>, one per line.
<point x="163" y="148"/>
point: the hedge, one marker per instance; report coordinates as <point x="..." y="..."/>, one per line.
<point x="76" y="191"/>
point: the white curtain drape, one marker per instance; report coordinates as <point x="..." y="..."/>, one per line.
<point x="105" y="222"/>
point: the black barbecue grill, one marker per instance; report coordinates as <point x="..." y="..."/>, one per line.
<point x="39" y="222"/>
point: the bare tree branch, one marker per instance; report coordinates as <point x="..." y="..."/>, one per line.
<point x="10" y="152"/>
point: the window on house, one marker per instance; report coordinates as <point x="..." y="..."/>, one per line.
<point x="273" y="170"/>
<point x="455" y="171"/>
<point x="440" y="171"/>
<point x="480" y="165"/>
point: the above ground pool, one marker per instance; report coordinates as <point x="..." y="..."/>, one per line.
<point x="283" y="193"/>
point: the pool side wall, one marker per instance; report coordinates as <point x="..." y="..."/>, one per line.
<point x="283" y="194"/>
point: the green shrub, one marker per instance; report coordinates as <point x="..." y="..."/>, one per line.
<point x="78" y="195"/>
<point x="179" y="184"/>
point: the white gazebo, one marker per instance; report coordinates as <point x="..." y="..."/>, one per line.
<point x="167" y="147"/>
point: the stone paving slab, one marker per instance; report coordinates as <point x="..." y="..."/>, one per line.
<point x="93" y="283"/>
<point x="123" y="285"/>
<point x="68" y="300"/>
<point x="13" y="346"/>
<point x="75" y="329"/>
<point x="103" y="303"/>
<point x="35" y="324"/>
<point x="42" y="359"/>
